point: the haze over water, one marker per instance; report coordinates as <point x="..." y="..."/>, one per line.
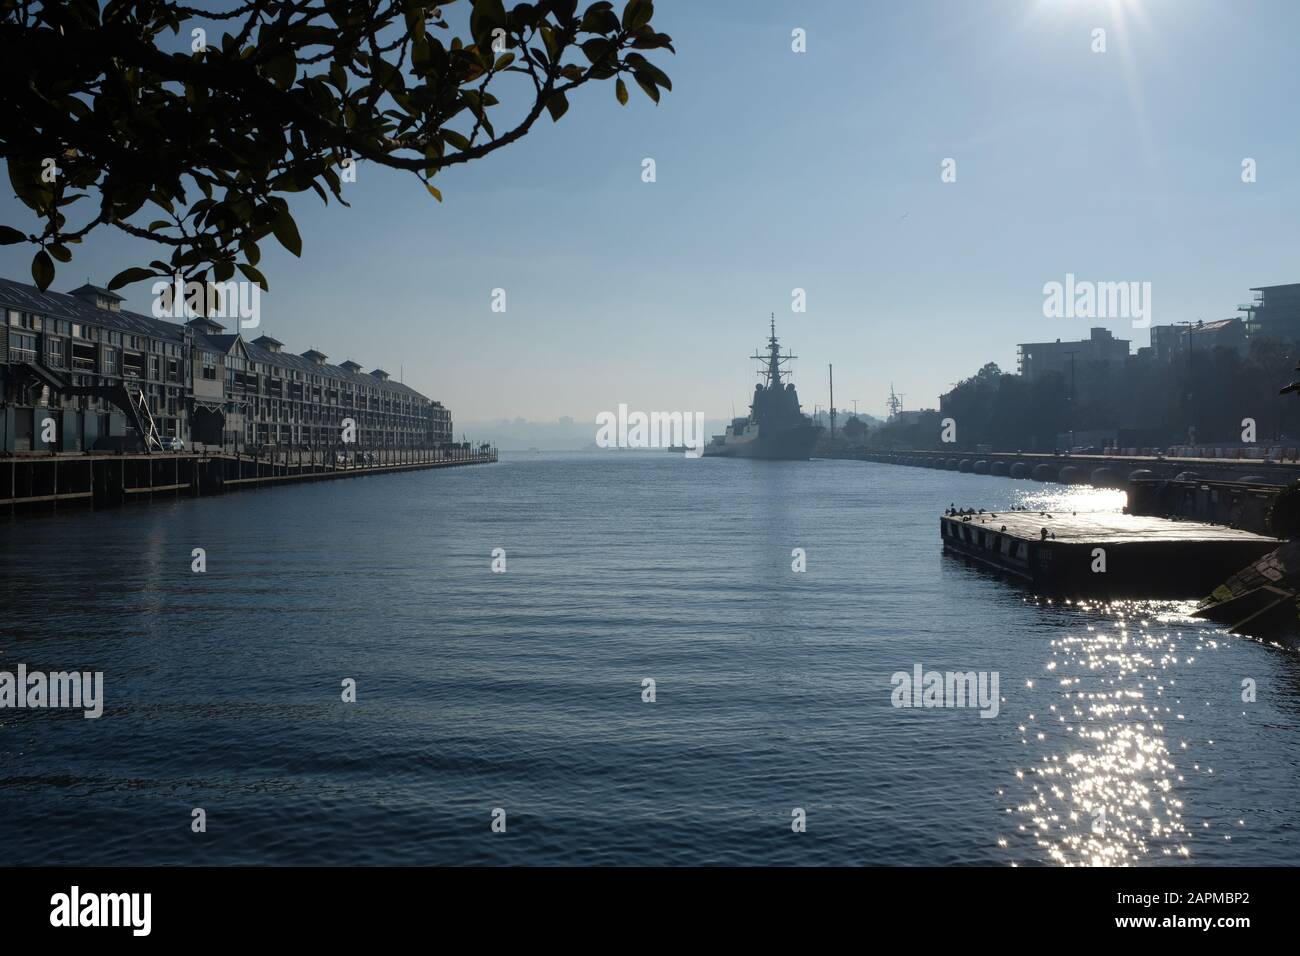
<point x="523" y="690"/>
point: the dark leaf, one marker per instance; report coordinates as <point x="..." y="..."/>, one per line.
<point x="127" y="276"/>
<point x="281" y="69"/>
<point x="42" y="270"/>
<point x="286" y="230"/>
<point x="637" y="14"/>
<point x="647" y="84"/>
<point x="557" y="105"/>
<point x="455" y="139"/>
<point x="596" y="49"/>
<point x="253" y="276"/>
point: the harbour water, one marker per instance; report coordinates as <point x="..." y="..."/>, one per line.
<point x="523" y="690"/>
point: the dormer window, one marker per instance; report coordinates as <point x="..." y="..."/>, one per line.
<point x="205" y="326"/>
<point x="99" y="298"/>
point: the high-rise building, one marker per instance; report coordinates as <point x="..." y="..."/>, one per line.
<point x="1036" y="359"/>
<point x="1274" y="313"/>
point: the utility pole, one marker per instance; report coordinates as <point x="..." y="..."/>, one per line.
<point x="1191" y="371"/>
<point x="831" y="369"/>
<point x="1072" y="353"/>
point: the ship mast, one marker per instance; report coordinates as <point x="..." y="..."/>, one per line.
<point x="895" y="402"/>
<point x="773" y="360"/>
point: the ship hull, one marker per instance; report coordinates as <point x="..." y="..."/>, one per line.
<point x="794" y="443"/>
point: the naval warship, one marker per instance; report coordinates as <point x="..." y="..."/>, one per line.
<point x="775" y="428"/>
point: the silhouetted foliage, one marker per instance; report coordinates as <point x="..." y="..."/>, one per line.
<point x="855" y="430"/>
<point x="919" y="430"/>
<point x="1211" y="390"/>
<point x="205" y="136"/>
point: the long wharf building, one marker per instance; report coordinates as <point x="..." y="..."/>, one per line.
<point x="79" y="373"/>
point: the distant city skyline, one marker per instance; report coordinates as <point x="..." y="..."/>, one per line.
<point x="819" y="171"/>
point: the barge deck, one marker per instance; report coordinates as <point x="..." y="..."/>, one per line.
<point x="1104" y="554"/>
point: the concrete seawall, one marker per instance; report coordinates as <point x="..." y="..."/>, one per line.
<point x="1236" y="494"/>
<point x="1106" y="471"/>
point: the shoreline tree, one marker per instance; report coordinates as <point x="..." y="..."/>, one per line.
<point x="1213" y="391"/>
<point x="196" y="147"/>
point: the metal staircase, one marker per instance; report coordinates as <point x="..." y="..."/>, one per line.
<point x="128" y="396"/>
<point x="144" y="422"/>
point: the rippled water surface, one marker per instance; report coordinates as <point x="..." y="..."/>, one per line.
<point x="1121" y="733"/>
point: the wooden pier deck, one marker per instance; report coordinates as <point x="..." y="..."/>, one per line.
<point x="1104" y="553"/>
<point x="41" y="482"/>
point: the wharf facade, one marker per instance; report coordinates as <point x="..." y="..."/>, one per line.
<point x="80" y="374"/>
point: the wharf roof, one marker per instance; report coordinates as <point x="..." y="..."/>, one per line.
<point x="299" y="363"/>
<point x="96" y="290"/>
<point x="58" y="305"/>
<point x="220" y="343"/>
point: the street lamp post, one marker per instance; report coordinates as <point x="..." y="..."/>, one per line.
<point x="1191" y="393"/>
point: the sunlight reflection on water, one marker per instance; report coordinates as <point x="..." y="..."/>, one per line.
<point x="1078" y="498"/>
<point x="1101" y="783"/>
<point x="1102" y="786"/>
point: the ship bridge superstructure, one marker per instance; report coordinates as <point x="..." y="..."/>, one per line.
<point x="775" y="400"/>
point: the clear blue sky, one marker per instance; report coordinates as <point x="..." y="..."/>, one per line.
<point x="818" y="170"/>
